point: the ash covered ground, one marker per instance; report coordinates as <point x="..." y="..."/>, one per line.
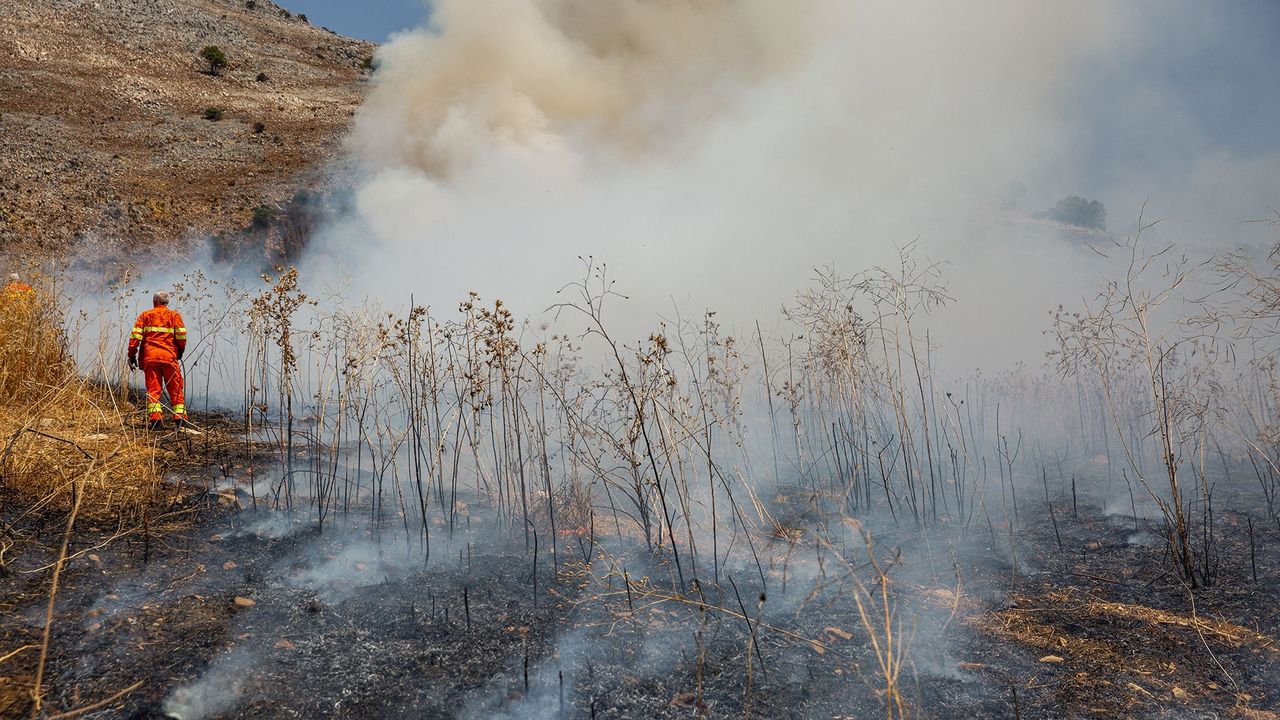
<point x="242" y="614"/>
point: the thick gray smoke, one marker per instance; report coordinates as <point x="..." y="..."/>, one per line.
<point x="713" y="152"/>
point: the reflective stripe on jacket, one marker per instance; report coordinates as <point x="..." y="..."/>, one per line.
<point x="160" y="334"/>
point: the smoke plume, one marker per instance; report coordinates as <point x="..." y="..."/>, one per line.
<point x="714" y="152"/>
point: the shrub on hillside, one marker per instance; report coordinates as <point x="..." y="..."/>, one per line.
<point x="213" y="113"/>
<point x="217" y="59"/>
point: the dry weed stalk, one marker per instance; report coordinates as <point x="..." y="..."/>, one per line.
<point x="37" y="692"/>
<point x="1253" y="314"/>
<point x="1132" y="324"/>
<point x="883" y="623"/>
<point x="867" y="377"/>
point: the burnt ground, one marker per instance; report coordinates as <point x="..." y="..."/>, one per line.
<point x="1133" y="640"/>
<point x="344" y="623"/>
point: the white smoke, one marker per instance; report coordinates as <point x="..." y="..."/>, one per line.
<point x="220" y="689"/>
<point x="522" y="76"/>
<point x="714" y="151"/>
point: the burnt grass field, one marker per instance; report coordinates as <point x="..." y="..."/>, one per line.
<point x="222" y="612"/>
<point x="435" y="520"/>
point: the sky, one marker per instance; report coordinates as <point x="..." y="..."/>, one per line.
<point x="372" y="20"/>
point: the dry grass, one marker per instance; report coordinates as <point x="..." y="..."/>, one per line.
<point x="55" y="425"/>
<point x="32" y="347"/>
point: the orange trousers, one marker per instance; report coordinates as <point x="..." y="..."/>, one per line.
<point x="164" y="375"/>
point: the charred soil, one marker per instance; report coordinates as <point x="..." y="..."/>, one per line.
<point x="235" y="613"/>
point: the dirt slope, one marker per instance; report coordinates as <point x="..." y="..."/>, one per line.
<point x="103" y="138"/>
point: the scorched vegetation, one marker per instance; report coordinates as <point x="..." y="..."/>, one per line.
<point x="465" y="514"/>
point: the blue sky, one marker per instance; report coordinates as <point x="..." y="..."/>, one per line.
<point x="368" y="20"/>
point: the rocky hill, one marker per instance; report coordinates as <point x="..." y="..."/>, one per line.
<point x="108" y="133"/>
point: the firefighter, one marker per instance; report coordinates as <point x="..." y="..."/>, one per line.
<point x="17" y="289"/>
<point x="17" y="306"/>
<point x="158" y="340"/>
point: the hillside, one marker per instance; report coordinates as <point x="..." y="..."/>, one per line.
<point x="103" y="136"/>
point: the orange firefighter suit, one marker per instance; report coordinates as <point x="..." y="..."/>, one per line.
<point x="17" y="301"/>
<point x="18" y="288"/>
<point x="158" y="340"/>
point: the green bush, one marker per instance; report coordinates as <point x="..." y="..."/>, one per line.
<point x="213" y="55"/>
<point x="213" y="113"/>
<point x="263" y="215"/>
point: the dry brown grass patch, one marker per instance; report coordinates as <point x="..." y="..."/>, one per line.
<point x="55" y="425"/>
<point x="32" y="347"/>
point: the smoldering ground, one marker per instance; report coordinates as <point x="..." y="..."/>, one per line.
<point x="787" y="481"/>
<point x="795" y="489"/>
<point x="465" y="636"/>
